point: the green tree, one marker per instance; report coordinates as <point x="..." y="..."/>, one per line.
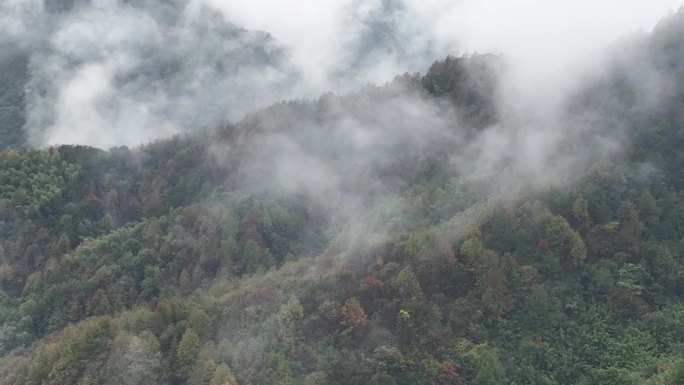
<point x="134" y="361"/>
<point x="406" y="284"/>
<point x="222" y="376"/>
<point x="489" y="370"/>
<point x="186" y="353"/>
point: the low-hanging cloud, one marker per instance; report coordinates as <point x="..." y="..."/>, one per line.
<point x="349" y="153"/>
<point x="344" y="152"/>
<point x="113" y="72"/>
<point x="107" y="72"/>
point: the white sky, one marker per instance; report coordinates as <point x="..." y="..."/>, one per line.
<point x="537" y="33"/>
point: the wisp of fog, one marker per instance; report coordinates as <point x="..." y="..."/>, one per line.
<point x="125" y="72"/>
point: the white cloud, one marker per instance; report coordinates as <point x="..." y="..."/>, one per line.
<point x="334" y="45"/>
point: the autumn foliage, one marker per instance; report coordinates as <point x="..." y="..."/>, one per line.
<point x="353" y="313"/>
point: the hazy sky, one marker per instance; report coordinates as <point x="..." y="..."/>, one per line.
<point x="539" y="33"/>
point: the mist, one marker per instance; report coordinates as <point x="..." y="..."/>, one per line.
<point x="107" y="73"/>
<point x="343" y="152"/>
<point x="536" y="37"/>
<point x="114" y="72"/>
<point x="111" y="72"/>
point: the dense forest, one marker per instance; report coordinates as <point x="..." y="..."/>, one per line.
<point x="293" y="247"/>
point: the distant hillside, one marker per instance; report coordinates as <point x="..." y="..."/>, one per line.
<point x="13" y="78"/>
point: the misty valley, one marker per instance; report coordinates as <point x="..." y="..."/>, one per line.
<point x="186" y="205"/>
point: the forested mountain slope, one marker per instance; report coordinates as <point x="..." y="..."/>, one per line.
<point x="378" y="237"/>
